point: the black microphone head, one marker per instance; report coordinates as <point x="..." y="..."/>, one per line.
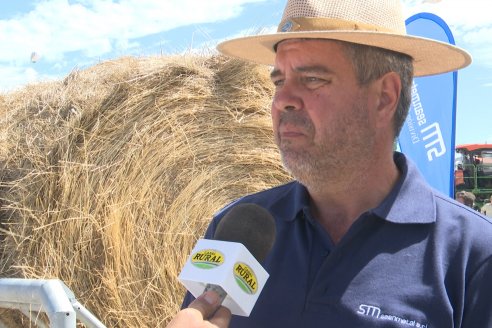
<point x="251" y="225"/>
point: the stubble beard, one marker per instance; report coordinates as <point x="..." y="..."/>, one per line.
<point x="334" y="159"/>
<point x="311" y="168"/>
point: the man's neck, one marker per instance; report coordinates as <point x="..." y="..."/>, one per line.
<point x="337" y="206"/>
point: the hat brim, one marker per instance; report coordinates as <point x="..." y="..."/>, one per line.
<point x="430" y="57"/>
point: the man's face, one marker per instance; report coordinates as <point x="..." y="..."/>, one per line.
<point x="322" y="119"/>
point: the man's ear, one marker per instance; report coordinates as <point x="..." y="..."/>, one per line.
<point x="389" y="87"/>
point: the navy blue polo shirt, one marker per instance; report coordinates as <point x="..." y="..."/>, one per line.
<point x="419" y="259"/>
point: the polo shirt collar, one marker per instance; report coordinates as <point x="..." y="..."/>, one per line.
<point x="292" y="203"/>
<point x="411" y="200"/>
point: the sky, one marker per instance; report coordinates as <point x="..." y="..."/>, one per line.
<point x="43" y="40"/>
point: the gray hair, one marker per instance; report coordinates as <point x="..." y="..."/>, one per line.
<point x="370" y="63"/>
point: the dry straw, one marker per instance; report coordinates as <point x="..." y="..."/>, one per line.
<point x="109" y="176"/>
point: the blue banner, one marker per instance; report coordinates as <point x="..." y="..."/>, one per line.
<point x="428" y="135"/>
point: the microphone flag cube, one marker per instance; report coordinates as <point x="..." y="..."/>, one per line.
<point x="229" y="265"/>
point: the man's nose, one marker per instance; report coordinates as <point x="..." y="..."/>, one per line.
<point x="287" y="98"/>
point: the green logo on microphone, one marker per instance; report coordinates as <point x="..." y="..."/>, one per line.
<point x="207" y="259"/>
<point x="245" y="278"/>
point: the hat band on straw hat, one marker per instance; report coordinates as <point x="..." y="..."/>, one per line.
<point x="306" y="24"/>
<point x="374" y="23"/>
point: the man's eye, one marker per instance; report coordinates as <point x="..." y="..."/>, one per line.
<point x="278" y="82"/>
<point x="312" y="79"/>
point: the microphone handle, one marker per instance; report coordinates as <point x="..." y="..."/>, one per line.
<point x="219" y="290"/>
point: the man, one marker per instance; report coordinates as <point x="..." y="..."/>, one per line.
<point x="466" y="197"/>
<point x="363" y="242"/>
<point x="487" y="208"/>
<point x="206" y="306"/>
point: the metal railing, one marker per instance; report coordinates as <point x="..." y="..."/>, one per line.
<point x="477" y="177"/>
<point x="51" y="296"/>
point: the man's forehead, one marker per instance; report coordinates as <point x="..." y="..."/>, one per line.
<point x="323" y="58"/>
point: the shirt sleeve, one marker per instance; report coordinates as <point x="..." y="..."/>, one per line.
<point x="478" y="305"/>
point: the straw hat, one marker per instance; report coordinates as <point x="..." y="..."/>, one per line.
<point x="378" y="23"/>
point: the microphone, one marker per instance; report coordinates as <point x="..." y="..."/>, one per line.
<point x="230" y="263"/>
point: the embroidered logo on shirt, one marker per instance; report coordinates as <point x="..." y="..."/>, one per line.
<point x="375" y="312"/>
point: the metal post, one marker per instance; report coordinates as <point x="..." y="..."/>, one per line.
<point x="51" y="296"/>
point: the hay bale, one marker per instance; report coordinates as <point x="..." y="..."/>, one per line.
<point x="110" y="176"/>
